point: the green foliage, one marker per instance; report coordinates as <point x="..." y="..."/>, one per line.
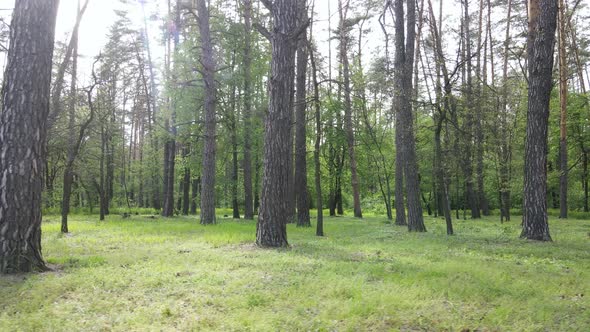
<point x="174" y="274"/>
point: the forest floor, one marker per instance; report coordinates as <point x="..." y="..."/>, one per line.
<point x="142" y="274"/>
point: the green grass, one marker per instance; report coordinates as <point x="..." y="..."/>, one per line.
<point x="143" y="274"/>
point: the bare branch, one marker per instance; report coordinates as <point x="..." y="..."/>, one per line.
<point x="263" y="31"/>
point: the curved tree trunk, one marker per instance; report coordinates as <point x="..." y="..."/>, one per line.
<point x="23" y="131"/>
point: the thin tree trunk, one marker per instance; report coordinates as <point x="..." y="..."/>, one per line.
<point x="234" y="143"/>
<point x="208" y="170"/>
<point x="468" y="126"/>
<point x="247" y="66"/>
<point x="563" y="178"/>
<point x="196" y="184"/>
<point x="348" y="126"/>
<point x="504" y="149"/>
<point x="479" y="119"/>
<point x="74" y="140"/>
<point x="317" y="146"/>
<point x="301" y="196"/>
<point x="186" y="181"/>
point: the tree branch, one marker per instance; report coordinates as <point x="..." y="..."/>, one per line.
<point x="263" y="31"/>
<point x="300" y="29"/>
<point x="267" y="4"/>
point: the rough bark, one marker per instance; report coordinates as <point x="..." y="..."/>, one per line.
<point x="23" y="133"/>
<point x="301" y="196"/>
<point x="271" y="230"/>
<point x="540" y="41"/>
<point x="403" y="72"/>
<point x="208" y="168"/>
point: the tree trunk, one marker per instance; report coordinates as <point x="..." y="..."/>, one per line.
<point x="247" y="65"/>
<point x="69" y="166"/>
<point x="540" y="41"/>
<point x="169" y="161"/>
<point x="467" y="161"/>
<point x="480" y="112"/>
<point x="235" y="167"/>
<point x="348" y="127"/>
<point x="318" y="138"/>
<point x="271" y="230"/>
<point x="563" y="177"/>
<point x="403" y="71"/>
<point x="72" y="149"/>
<point x="186" y="183"/>
<point x="504" y="154"/>
<point x="74" y="141"/>
<point x="301" y="195"/>
<point x="23" y="131"/>
<point x="196" y="184"/>
<point x="400" y="206"/>
<point x="208" y="170"/>
<point x="441" y="177"/>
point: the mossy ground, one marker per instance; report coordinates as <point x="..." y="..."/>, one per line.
<point x="142" y="274"/>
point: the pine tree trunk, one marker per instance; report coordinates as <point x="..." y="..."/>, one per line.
<point x="316" y="152"/>
<point x="271" y="230"/>
<point x="403" y="70"/>
<point x="540" y="41"/>
<point x="563" y="178"/>
<point x="504" y="154"/>
<point x="196" y="184"/>
<point x="186" y="183"/>
<point x="23" y="131"/>
<point x="348" y="127"/>
<point x="303" y="219"/>
<point x="247" y="65"/>
<point x="208" y="170"/>
<point x="400" y="206"/>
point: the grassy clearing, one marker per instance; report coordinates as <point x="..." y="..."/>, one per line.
<point x="142" y="274"/>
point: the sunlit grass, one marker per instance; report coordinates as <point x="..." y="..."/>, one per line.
<point x="156" y="274"/>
